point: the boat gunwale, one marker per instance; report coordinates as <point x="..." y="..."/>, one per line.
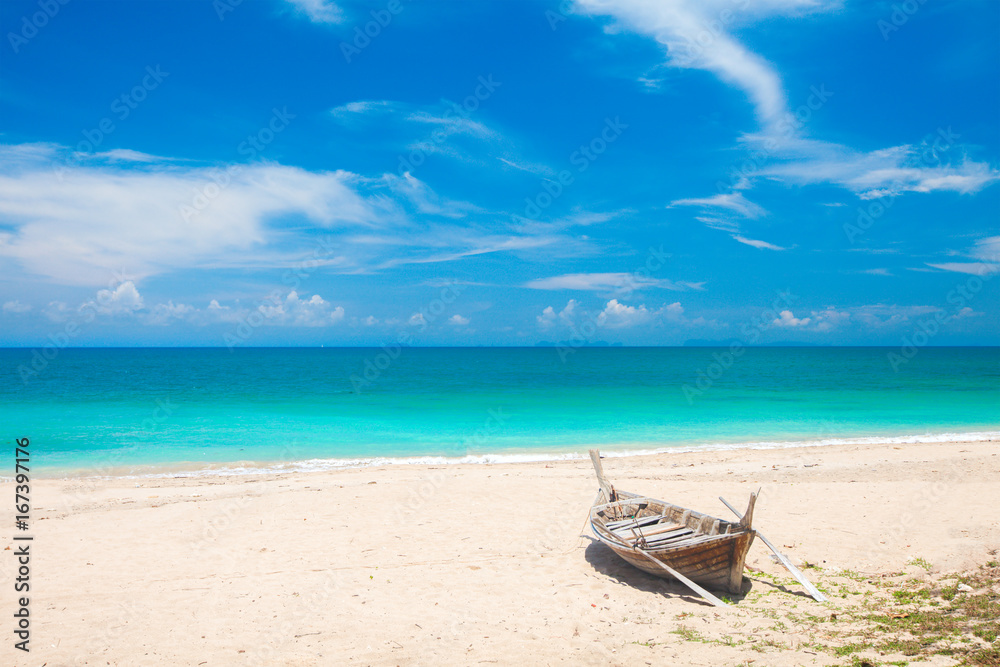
<point x="637" y="499"/>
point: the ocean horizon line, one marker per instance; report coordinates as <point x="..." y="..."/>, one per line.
<point x="596" y="346"/>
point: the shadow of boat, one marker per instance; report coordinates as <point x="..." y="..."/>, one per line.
<point x="607" y="562"/>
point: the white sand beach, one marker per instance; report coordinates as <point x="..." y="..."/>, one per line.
<point x="482" y="564"/>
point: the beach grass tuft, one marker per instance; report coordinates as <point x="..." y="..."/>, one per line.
<point x="887" y="619"/>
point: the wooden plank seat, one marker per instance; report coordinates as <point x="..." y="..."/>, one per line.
<point x="644" y="521"/>
<point x="662" y="538"/>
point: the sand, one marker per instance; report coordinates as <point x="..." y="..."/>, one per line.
<point x="473" y="564"/>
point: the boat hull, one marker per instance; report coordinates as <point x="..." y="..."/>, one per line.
<point x="711" y="552"/>
<point x="717" y="566"/>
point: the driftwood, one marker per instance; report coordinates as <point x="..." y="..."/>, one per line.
<point x="813" y="591"/>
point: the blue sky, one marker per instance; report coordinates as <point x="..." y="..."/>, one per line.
<point x="501" y="173"/>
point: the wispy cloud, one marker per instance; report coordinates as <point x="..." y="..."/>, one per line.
<point x="763" y="245"/>
<point x="986" y="252"/>
<point x="15" y="306"/>
<point x="608" y="282"/>
<point x="734" y="202"/>
<point x="681" y="26"/>
<point x="529" y="167"/>
<point x="971" y="268"/>
<point x="448" y="123"/>
<point x="887" y="172"/>
<point x="577" y="218"/>
<point x="481" y="246"/>
<point x="127" y="155"/>
<point x="158" y="217"/>
<point x="362" y="108"/>
<point x="440" y="121"/>
<point x="698" y="34"/>
<point x="427" y="200"/>
<point x="875" y="251"/>
<point x="881" y="315"/>
<point x="987" y="249"/>
<point x="318" y="11"/>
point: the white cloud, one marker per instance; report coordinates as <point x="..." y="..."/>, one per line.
<point x="312" y="312"/>
<point x="370" y="321"/>
<point x="818" y="320"/>
<point x="125" y="300"/>
<point x="881" y="315"/>
<point x="458" y="321"/>
<point x="618" y="315"/>
<point x="16" y="306"/>
<point x="967" y="312"/>
<point x="218" y="313"/>
<point x="58" y="311"/>
<point x="164" y="313"/>
<point x="829" y="318"/>
<point x="876" y="316"/>
<point x="566" y="316"/>
<point x="608" y="282"/>
<point x="291" y="310"/>
<point x="76" y="224"/>
<point x="764" y="245"/>
<point x="319" y="11"/>
<point x="877" y="272"/>
<point x="417" y="320"/>
<point x="73" y="224"/>
<point x="122" y="300"/>
<point x="547" y="319"/>
<point x="787" y="319"/>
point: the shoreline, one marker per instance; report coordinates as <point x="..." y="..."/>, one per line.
<point x="265" y="467"/>
<point x="462" y="564"/>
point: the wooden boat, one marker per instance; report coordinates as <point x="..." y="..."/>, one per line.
<point x="668" y="540"/>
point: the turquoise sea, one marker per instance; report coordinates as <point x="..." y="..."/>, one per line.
<point x="125" y="411"/>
